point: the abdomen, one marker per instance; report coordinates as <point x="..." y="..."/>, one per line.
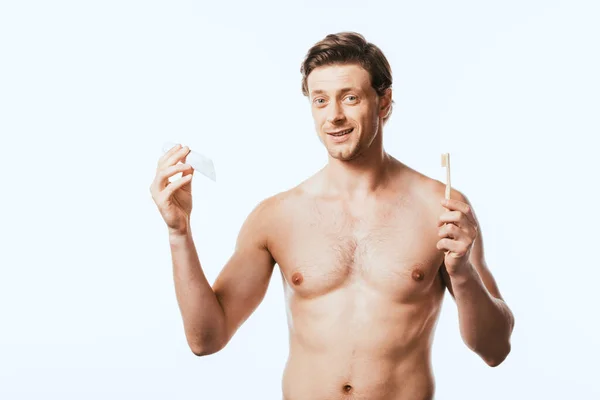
<point x="355" y="344"/>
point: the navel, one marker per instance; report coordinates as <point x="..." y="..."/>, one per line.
<point x="297" y="278"/>
<point x="418" y="275"/>
<point x="347" y="388"/>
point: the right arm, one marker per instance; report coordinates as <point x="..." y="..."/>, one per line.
<point x="211" y="315"/>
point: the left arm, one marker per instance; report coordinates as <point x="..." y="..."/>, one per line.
<point x="486" y="322"/>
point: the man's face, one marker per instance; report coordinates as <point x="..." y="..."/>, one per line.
<point x="342" y="99"/>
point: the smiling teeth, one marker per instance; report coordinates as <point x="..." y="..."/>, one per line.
<point x="342" y="132"/>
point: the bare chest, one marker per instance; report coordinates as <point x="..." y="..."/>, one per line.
<point x="389" y="247"/>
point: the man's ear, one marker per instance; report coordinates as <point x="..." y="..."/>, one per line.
<point x="385" y="103"/>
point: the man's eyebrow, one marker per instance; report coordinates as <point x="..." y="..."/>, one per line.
<point x="344" y="90"/>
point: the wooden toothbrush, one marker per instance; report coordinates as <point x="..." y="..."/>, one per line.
<point x="446" y="163"/>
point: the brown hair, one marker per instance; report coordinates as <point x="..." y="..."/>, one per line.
<point x="349" y="48"/>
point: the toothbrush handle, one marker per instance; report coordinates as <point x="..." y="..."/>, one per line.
<point x="448" y="184"/>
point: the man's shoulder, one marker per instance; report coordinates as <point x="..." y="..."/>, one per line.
<point x="282" y="202"/>
<point x="431" y="190"/>
<point x="270" y="217"/>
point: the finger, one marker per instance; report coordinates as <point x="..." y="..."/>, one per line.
<point x="453" y="204"/>
<point x="457" y="205"/>
<point x="458" y="248"/>
<point x="457" y="218"/>
<point x="450" y="217"/>
<point x="163" y="175"/>
<point x="175" y="157"/>
<point x="173" y="186"/>
<point x="167" y="154"/>
<point x="466" y="233"/>
<point x="171" y="172"/>
<point x="178" y="156"/>
<point x="450" y="231"/>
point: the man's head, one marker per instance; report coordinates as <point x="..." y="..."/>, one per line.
<point x="348" y="82"/>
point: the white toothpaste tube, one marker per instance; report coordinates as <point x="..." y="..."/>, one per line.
<point x="199" y="162"/>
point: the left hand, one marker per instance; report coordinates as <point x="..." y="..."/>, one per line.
<point x="458" y="230"/>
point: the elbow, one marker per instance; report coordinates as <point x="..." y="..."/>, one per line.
<point x="199" y="351"/>
<point x="205" y="349"/>
<point x="499" y="357"/>
<point x="497" y="353"/>
<point x="492" y="350"/>
<point x="207" y="345"/>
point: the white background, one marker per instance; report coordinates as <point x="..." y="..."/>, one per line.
<point x="89" y="91"/>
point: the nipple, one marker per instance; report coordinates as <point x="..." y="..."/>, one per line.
<point x="418" y="275"/>
<point x="297" y="278"/>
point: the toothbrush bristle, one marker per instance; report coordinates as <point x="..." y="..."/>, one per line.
<point x="445" y="160"/>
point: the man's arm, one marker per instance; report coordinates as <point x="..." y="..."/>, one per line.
<point x="211" y="315"/>
<point x="486" y="322"/>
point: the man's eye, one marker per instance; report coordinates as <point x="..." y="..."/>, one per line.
<point x="319" y="101"/>
<point x="352" y="98"/>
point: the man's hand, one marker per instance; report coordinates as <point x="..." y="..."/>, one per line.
<point x="458" y="230"/>
<point x="173" y="199"/>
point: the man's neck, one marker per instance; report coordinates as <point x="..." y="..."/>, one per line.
<point x="360" y="177"/>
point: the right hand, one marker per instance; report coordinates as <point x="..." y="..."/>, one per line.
<point x="174" y="199"/>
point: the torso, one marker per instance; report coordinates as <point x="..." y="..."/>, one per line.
<point x="363" y="291"/>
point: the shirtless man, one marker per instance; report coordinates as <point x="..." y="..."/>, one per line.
<point x="366" y="248"/>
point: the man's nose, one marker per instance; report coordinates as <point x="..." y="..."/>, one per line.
<point x="335" y="113"/>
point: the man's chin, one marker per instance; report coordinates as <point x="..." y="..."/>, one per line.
<point x="344" y="155"/>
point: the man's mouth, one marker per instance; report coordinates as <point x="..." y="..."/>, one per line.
<point x="341" y="133"/>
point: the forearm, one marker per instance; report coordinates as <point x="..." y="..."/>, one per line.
<point x="203" y="316"/>
<point x="485" y="322"/>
